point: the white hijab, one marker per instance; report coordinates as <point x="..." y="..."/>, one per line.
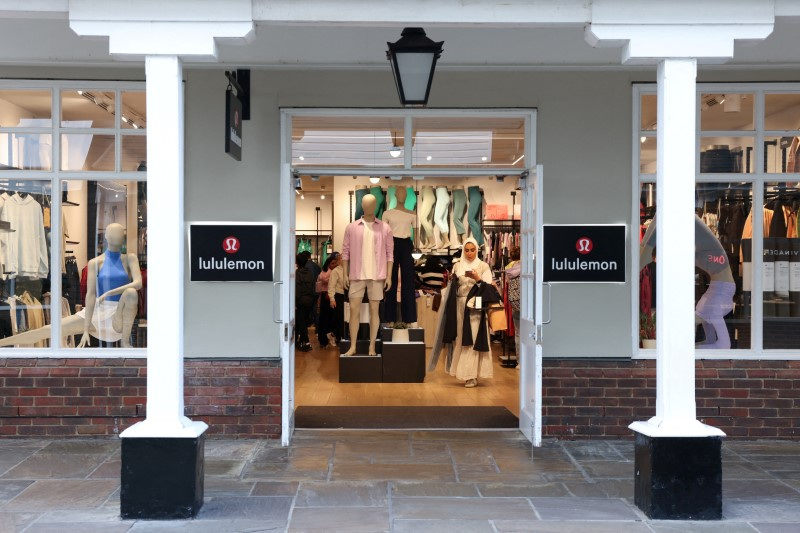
<point x="463" y="265"/>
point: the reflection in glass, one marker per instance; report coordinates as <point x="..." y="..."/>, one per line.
<point x="87" y="152"/>
<point x="782" y="154"/>
<point x="731" y="155"/>
<point x="134" y="153"/>
<point x="722" y="283"/>
<point x="782" y="112"/>
<point x="88" y="108"/>
<point x="24" y="261"/>
<point x="25" y="108"/>
<point x="347" y="141"/>
<point x="726" y="112"/>
<point x="647" y="154"/>
<point x="469" y="142"/>
<point x="781" y="274"/>
<point x="26" y="151"/>
<point x="134" y="110"/>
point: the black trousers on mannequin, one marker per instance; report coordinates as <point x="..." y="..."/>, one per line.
<point x="408" y="303"/>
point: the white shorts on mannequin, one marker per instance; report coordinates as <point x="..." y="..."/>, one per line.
<point x="373" y="287"/>
<point x="103" y="319"/>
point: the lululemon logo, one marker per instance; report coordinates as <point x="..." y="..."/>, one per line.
<point x="230" y="245"/>
<point x="584" y="245"/>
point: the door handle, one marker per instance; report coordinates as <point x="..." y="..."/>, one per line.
<point x="549" y="302"/>
<point x="276" y="298"/>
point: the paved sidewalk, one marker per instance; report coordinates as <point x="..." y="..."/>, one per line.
<point x="398" y="481"/>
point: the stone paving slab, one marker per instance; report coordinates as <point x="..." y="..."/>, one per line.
<point x="463" y="508"/>
<point x="571" y="526"/>
<point x="350" y="519"/>
<point x="433" y="490"/>
<point x="271" y="510"/>
<point x="58" y="466"/>
<point x="786" y="527"/>
<point x="83" y="527"/>
<point x="342" y="495"/>
<point x="675" y="526"/>
<point x="443" y="526"/>
<point x="586" y="508"/>
<point x="48" y="495"/>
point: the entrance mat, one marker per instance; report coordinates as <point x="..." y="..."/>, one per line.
<point x="406" y="417"/>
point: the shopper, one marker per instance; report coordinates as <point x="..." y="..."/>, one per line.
<point x="336" y="299"/>
<point x="304" y="301"/>
<point x="315" y="270"/>
<point x="513" y="270"/>
<point x="474" y="360"/>
<point x="325" y="327"/>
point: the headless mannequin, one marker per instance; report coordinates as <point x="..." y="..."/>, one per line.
<point x="368" y="204"/>
<point x="127" y="306"/>
<point x="401" y="194"/>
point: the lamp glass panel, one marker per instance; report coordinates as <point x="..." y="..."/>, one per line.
<point x="415" y="71"/>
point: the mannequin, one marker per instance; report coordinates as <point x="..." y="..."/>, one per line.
<point x="717" y="301"/>
<point x="459" y="210"/>
<point x="401" y="221"/>
<point x="426" y="213"/>
<point x="109" y="316"/>
<point x="371" y="244"/>
<point x="440" y="218"/>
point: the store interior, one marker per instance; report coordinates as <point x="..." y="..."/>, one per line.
<point x="443" y="212"/>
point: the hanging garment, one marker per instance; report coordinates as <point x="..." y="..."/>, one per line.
<point x="24" y="251"/>
<point x="474" y="213"/>
<point x="441" y="211"/>
<point x="426" y="214"/>
<point x="459" y="209"/>
<point x="404" y="265"/>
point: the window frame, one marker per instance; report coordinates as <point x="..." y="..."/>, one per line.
<point x="757" y="180"/>
<point x="55" y="176"/>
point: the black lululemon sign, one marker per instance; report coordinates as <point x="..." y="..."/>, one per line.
<point x="230" y="252"/>
<point x="584" y="254"/>
<point x="233" y="125"/>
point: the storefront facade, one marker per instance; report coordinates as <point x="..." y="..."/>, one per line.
<point x="595" y="137"/>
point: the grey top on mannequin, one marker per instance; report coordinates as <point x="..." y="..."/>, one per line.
<point x="401" y="193"/>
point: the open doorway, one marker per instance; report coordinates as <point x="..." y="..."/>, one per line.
<point x="469" y="189"/>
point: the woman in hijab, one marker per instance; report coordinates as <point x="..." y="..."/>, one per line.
<point x="468" y="364"/>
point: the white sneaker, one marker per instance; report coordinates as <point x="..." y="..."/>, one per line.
<point x="471" y="383"/>
<point x="332" y="340"/>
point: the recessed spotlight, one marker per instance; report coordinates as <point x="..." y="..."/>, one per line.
<point x="301" y="158"/>
<point x="643" y="139"/>
<point x="484" y="158"/>
<point x="302" y="196"/>
<point x="80" y="93"/>
<point x="322" y="197"/>
<point x="429" y="157"/>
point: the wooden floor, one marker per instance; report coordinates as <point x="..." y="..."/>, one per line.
<point x="317" y="383"/>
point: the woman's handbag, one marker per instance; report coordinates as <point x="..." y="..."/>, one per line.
<point x="497" y="317"/>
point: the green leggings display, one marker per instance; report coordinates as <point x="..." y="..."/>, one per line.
<point x="380" y="203"/>
<point x="459" y="208"/>
<point x="474" y="213"/>
<point x="360" y="194"/>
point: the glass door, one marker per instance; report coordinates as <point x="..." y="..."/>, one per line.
<point x="530" y="358"/>
<point x="287" y="316"/>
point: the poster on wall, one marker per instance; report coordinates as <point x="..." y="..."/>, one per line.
<point x="233" y="125"/>
<point x="584" y="253"/>
<point x="231" y="252"/>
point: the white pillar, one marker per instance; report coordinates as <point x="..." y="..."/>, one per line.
<point x="165" y="154"/>
<point x="675" y="216"/>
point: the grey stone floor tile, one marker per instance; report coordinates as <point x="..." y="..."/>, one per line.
<point x="586" y="508"/>
<point x="110" y="469"/>
<point x="757" y="489"/>
<point x="750" y="448"/>
<point x="342" y="494"/>
<point x="571" y="526"/>
<point x="50" y="495"/>
<point x="602" y="488"/>
<point x="608" y="469"/>
<point x="83" y="527"/>
<point x="275" y="488"/>
<point x="743" y="470"/>
<point x="101" y="514"/>
<point x="9" y="489"/>
<point x="443" y="526"/>
<point x="13" y="522"/>
<point x="24" y="443"/>
<point x="434" y="490"/>
<point x="761" y="511"/>
<point x="82" y="446"/>
<point x="682" y="526"/>
<point x="271" y="509"/>
<point x="282" y="472"/>
<point x="593" y="451"/>
<point x="350" y="519"/>
<point x="776" y="463"/>
<point x="393" y="471"/>
<point x="55" y="466"/>
<point x="223" y="467"/>
<point x="234" y="525"/>
<point x="495" y="490"/>
<point x="216" y="486"/>
<point x="226" y="449"/>
<point x="778" y="527"/>
<point x="463" y="508"/>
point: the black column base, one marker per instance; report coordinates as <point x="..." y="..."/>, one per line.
<point x="679" y="478"/>
<point x="162" y="478"/>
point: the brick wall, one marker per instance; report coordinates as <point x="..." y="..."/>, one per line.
<point x="599" y="398"/>
<point x="83" y="397"/>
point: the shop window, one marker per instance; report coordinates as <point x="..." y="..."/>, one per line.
<point x="649" y="112"/>
<point x="647" y="154"/>
<point x="723" y="271"/>
<point x="469" y="142"/>
<point x="726" y="155"/>
<point x="327" y="141"/>
<point x="48" y="240"/>
<point x="781" y="266"/>
<point x="105" y="239"/>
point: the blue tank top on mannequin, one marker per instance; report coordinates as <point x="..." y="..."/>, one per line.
<point x="111" y="275"/>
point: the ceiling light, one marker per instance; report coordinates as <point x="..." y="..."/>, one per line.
<point x="322" y="197"/>
<point x="374" y="180"/>
<point x="135" y="126"/>
<point x="124" y="119"/>
<point x="80" y="93"/>
<point x="484" y="158"/>
<point x="302" y="196"/>
<point x="297" y="192"/>
<point x="732" y="103"/>
<point x="301" y="158"/>
<point x="395" y="151"/>
<point x="643" y="138"/>
<point x="429" y="157"/>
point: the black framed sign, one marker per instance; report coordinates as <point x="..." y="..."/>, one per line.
<point x="584" y="253"/>
<point x="233" y="125"/>
<point x="231" y="252"/>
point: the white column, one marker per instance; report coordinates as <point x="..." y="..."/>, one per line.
<point x="675" y="219"/>
<point x="165" y="154"/>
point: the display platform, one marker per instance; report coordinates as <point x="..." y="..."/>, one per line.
<point x="396" y="362"/>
